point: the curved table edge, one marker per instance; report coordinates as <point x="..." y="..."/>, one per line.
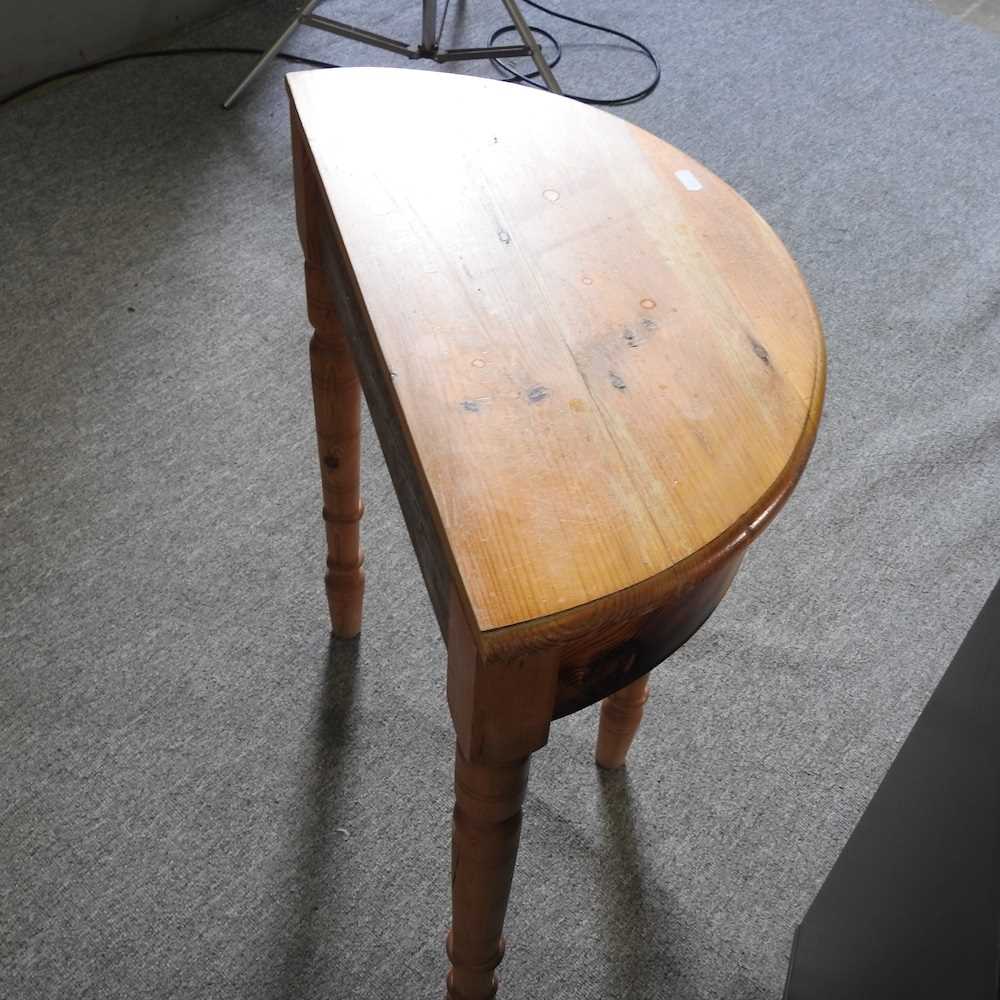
<point x="655" y="591"/>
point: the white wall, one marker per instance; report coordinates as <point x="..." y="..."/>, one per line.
<point x="39" y="37"/>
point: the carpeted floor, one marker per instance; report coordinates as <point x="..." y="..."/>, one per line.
<point x="201" y="797"/>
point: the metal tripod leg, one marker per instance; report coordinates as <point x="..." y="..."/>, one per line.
<point x="428" y="33"/>
<point x="529" y="39"/>
<point x="269" y="54"/>
<point x="427" y="49"/>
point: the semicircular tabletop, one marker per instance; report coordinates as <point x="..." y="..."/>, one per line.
<point x="602" y="356"/>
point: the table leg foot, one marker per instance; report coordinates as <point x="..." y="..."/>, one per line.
<point x="621" y="714"/>
<point x="485" y="836"/>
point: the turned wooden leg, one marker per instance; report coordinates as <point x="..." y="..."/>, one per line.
<point x="621" y="714"/>
<point x="485" y="835"/>
<point x="337" y="402"/>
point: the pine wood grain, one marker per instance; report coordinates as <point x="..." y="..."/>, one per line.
<point x="601" y="371"/>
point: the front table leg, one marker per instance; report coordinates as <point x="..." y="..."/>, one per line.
<point x="485" y="836"/>
<point x="337" y="402"/>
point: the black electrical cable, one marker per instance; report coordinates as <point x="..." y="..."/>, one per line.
<point x="156" y="53"/>
<point x="535" y="31"/>
<point x="529" y="78"/>
<point x="513" y="74"/>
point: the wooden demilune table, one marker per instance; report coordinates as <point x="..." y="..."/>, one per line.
<point x="595" y="374"/>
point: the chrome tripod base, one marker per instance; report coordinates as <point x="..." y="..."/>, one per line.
<point x="427" y="49"/>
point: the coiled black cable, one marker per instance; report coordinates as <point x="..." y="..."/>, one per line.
<point x="530" y="78"/>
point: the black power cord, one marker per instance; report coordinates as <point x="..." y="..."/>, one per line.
<point x="499" y="64"/>
<point x="155" y="54"/>
<point x="530" y="78"/>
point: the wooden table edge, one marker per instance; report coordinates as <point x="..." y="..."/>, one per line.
<point x="642" y="597"/>
<point x="657" y="590"/>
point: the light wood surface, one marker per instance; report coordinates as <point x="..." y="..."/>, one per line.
<point x="602" y="371"/>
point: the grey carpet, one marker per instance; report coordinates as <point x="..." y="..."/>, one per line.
<point x="201" y="797"/>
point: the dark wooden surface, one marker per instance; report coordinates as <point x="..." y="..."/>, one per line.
<point x="911" y="908"/>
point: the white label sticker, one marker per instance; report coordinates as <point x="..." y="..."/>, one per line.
<point x="688" y="180"/>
